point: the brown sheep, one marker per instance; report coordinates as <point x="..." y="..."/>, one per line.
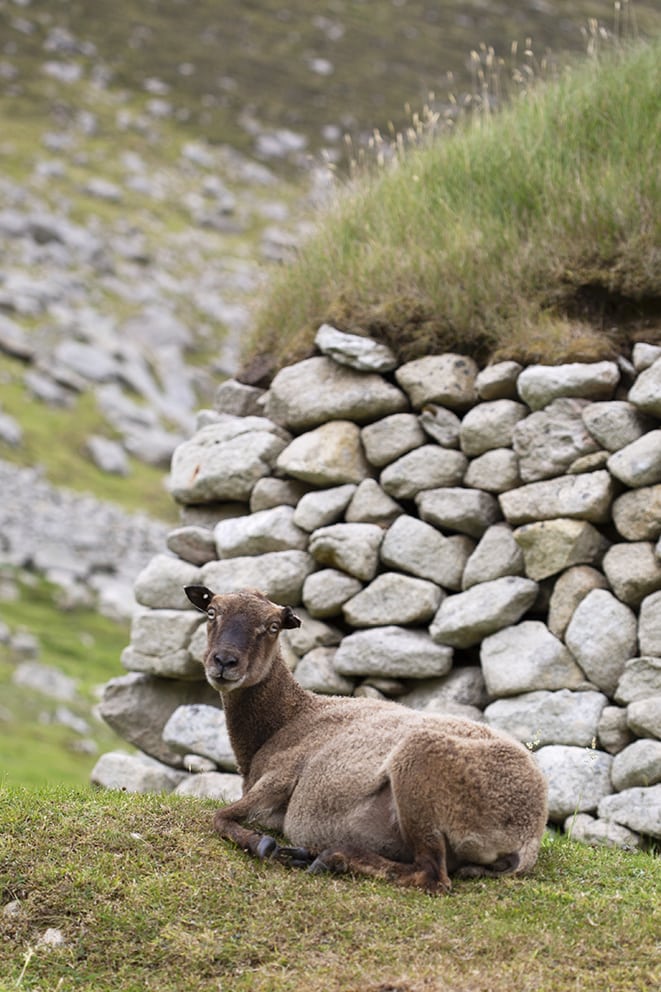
<point x="361" y="785"/>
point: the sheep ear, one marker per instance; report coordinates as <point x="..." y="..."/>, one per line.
<point x="289" y="618"/>
<point x="199" y="596"/>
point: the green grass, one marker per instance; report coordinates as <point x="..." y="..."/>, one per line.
<point x="532" y="233"/>
<point x="147" y="898"/>
<point x="34" y="750"/>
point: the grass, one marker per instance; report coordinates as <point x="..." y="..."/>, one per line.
<point x="148" y="899"/>
<point x="36" y="749"/>
<point x="526" y="234"/>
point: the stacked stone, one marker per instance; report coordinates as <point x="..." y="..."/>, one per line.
<point x="482" y="542"/>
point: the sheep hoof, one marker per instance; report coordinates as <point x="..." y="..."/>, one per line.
<point x="266" y="848"/>
<point x="295" y="857"/>
<point x="328" y="861"/>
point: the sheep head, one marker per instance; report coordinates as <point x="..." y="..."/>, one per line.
<point x="242" y="635"/>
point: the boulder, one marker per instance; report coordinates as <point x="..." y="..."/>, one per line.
<point x="602" y="636"/>
<point x="495" y="471"/>
<point x="527" y="657"/>
<point x="649" y="626"/>
<point x="392" y="598"/>
<point x="633" y="571"/>
<point x="392" y="652"/>
<point x="445" y="379"/>
<point x="258" y="533"/>
<point x="418" y="548"/>
<point x="324" y="507"/>
<point x="571" y="587"/>
<point x="316" y="672"/>
<point x="601" y="833"/>
<point x="645" y="394"/>
<point x="352" y="548"/>
<point x="160" y="584"/>
<point x="644" y="716"/>
<point x="200" y="729"/>
<point x="639" y="764"/>
<point x="490" y="425"/>
<point x="639" y="463"/>
<point x="539" y="385"/>
<point x="269" y="492"/>
<point x="637" y="514"/>
<point x="549" y="441"/>
<point x="134" y="773"/>
<point x="371" y="505"/>
<point x="193" y="544"/>
<point x="223" y="786"/>
<point x="498" y="381"/>
<point x="578" y="779"/>
<point x="579" y="497"/>
<point x="326" y="591"/>
<point x="539" y="718"/>
<point x="390" y="438"/>
<point x="278" y="574"/>
<point x="467" y="618"/>
<point x="354" y="350"/>
<point x="327" y="456"/>
<point x="238" y="399"/>
<point x="462" y="686"/>
<point x="442" y="425"/>
<point x="468" y="511"/>
<point x="615" y="423"/>
<point x="640" y="679"/>
<point x="426" y="467"/>
<point x="496" y="555"/>
<point x="318" y="390"/>
<point x="613" y="732"/>
<point x="638" y="809"/>
<point x="551" y="546"/>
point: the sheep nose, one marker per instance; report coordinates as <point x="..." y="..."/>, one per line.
<point x="225" y="663"/>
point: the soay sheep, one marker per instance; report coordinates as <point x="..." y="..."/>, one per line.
<point x="361" y="785"/>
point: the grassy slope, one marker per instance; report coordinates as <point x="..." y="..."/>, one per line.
<point x="147" y="898"/>
<point x="35" y="749"/>
<point x="533" y="233"/>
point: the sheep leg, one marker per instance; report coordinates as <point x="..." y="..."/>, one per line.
<point x="261" y="845"/>
<point x="427" y="871"/>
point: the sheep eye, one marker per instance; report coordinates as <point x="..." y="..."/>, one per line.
<point x="274" y="627"/>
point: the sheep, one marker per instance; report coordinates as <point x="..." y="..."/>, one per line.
<point x="356" y="784"/>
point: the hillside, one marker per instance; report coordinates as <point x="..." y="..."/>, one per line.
<point x="121" y="893"/>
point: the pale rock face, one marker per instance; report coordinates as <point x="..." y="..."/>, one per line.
<point x="387" y="440"/>
<point x="570" y="588"/>
<point x="394" y="652"/>
<point x="551" y="546"/>
<point x="134" y="773"/>
<point x="601" y="833"/>
<point x="468" y="511"/>
<point x="496" y="382"/>
<point x="328" y="456"/>
<point x="318" y="390"/>
<point x="496" y="555"/>
<point x="467" y="618"/>
<point x="613" y="732"/>
<point x="649" y="626"/>
<point x="527" y="657"/>
<point x="200" y="729"/>
<point x="441" y="424"/>
<point x="640" y="679"/>
<point x="325" y="592"/>
<point x="371" y="505"/>
<point x="645" y="394"/>
<point x="161" y="583"/>
<point x="614" y="424"/>
<point x="446" y="379"/>
<point x="578" y="779"/>
<point x="633" y="571"/>
<point x="392" y="598"/>
<point x="639" y="463"/>
<point x="420" y="549"/>
<point x="427" y="467"/>
<point x="579" y="497"/>
<point x="495" y="471"/>
<point x="644" y="716"/>
<point x="266" y="530"/>
<point x="321" y="508"/>
<point x="538" y="718"/>
<point x="638" y="765"/>
<point x="539" y="385"/>
<point x="316" y="672"/>
<point x="548" y="442"/>
<point x="278" y="574"/>
<point x="637" y="514"/>
<point x="352" y="548"/>
<point x="602" y="636"/>
<point x="462" y="686"/>
<point x="223" y="786"/>
<point x="490" y="425"/>
<point x="638" y="809"/>
<point x="357" y="352"/>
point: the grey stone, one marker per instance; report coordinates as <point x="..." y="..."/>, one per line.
<point x="313" y="633"/>
<point x="418" y="548"/>
<point x="597" y="833"/>
<point x="496" y="555"/>
<point x="258" y="533"/>
<point x="614" y="424"/>
<point x="14" y="341"/>
<point x="316" y="672"/>
<point x="637" y="514"/>
<point x="490" y="425"/>
<point x="551" y="546"/>
<point x="639" y="809"/>
<point x="371" y="505"/>
<point x="324" y="507"/>
<point x="178" y="664"/>
<point x="495" y="471"/>
<point x="579" y="497"/>
<point x="649" y="625"/>
<point x="223" y="786"/>
<point x="193" y="544"/>
<point x="645" y="394"/>
<point x="602" y="636"/>
<point x="441" y="425"/>
<point x="578" y="779"/>
<point x="525" y="658"/>
<point x="498" y="381"/>
<point x="392" y="598"/>
<point x="161" y="631"/>
<point x="588" y="463"/>
<point x="11" y="432"/>
<point x="427" y="467"/>
<point x="446" y="379"/>
<point x="160" y="584"/>
<point x="462" y="686"/>
<point x="327" y="456"/>
<point x="390" y="438"/>
<point x="134" y="773"/>
<point x="317" y="390"/>
<point x="326" y="591"/>
<point x="46" y="680"/>
<point x="224" y="461"/>
<point x="539" y="385"/>
<point x="468" y="511"/>
<point x="645" y="355"/>
<point x="539" y="718"/>
<point x="639" y="463"/>
<point x="641" y="678"/>
<point x="269" y="492"/>
<point x="238" y="399"/>
<point x="352" y="548"/>
<point x="613" y="731"/>
<point x="153" y="446"/>
<point x="86" y="360"/>
<point x="633" y="571"/>
<point x="392" y="652"/>
<point x="638" y="765"/>
<point x="467" y="618"/>
<point x="358" y="352"/>
<point x="128" y="698"/>
<point x="644" y="716"/>
<point x="571" y="587"/>
<point x="278" y="574"/>
<point x="549" y="441"/>
<point x="200" y="729"/>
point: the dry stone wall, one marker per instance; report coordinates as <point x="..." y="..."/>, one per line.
<point x="484" y="542"/>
